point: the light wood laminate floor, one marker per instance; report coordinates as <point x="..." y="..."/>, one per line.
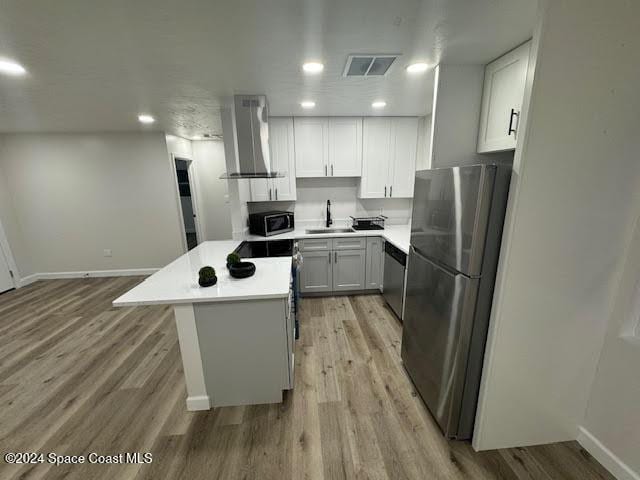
<point x="78" y="376"/>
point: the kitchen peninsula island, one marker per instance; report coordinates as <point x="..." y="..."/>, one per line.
<point x="236" y="337"/>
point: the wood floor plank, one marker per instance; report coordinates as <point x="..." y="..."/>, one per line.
<point x="77" y="375"/>
<point x="560" y="461"/>
<point x="307" y="450"/>
<point x="337" y="457"/>
<point x="524" y="465"/>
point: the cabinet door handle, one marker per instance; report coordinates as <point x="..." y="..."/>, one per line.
<point x="276" y="193"/>
<point x="385" y="191"/>
<point x="511" y="115"/>
<point x="332" y="169"/>
<point x="335" y="257"/>
<point x="329" y="257"/>
<point x="390" y="191"/>
<point x="325" y="170"/>
<point x="269" y="194"/>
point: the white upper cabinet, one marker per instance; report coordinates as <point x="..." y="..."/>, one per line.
<point x="502" y="97"/>
<point x="311" y="146"/>
<point x="283" y="157"/>
<point x="345" y="147"/>
<point x="260" y="190"/>
<point x="376" y="152"/>
<point x="328" y="147"/>
<point x="402" y="171"/>
<point x="282" y="161"/>
<point x="389" y="157"/>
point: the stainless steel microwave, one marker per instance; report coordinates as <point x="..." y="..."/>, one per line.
<point x="271" y="223"/>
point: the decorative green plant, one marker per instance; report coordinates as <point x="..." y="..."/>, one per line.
<point x="207" y="276"/>
<point x="233" y="258"/>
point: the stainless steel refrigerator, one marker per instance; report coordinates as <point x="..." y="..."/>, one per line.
<point x="456" y="230"/>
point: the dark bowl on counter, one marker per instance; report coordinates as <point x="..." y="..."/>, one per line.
<point x="242" y="269"/>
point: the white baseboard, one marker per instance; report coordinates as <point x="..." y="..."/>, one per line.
<point x="606" y="457"/>
<point x="201" y="402"/>
<point x="29" y="279"/>
<point x="92" y="273"/>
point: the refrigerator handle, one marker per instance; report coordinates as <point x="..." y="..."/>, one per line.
<point x="511" y="129"/>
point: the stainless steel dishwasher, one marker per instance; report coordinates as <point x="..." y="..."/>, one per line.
<point x="395" y="261"/>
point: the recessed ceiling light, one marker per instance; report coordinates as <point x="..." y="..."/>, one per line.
<point x="379" y="104"/>
<point x="196" y="137"/>
<point x="308" y="104"/>
<point x="145" y="118"/>
<point x="312" y="67"/>
<point x="417" y="67"/>
<point x="10" y="67"/>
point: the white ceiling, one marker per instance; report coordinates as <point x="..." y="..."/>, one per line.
<point x="93" y="66"/>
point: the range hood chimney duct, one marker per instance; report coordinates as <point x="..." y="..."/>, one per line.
<point x="247" y="126"/>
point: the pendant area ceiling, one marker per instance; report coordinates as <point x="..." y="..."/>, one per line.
<point x="94" y="66"/>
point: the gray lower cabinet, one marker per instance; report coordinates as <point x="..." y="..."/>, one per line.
<point x="374" y="263"/>
<point x="315" y="244"/>
<point x="348" y="270"/>
<point x="353" y="243"/>
<point x="341" y="264"/>
<point x="316" y="274"/>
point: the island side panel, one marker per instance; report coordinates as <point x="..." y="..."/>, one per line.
<point x="197" y="398"/>
<point x="244" y="351"/>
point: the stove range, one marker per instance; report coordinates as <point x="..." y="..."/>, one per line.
<point x="265" y="248"/>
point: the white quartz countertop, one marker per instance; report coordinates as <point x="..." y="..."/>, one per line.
<point x="177" y="283"/>
<point x="398" y="235"/>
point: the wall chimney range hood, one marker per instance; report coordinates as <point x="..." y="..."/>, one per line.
<point x="246" y="133"/>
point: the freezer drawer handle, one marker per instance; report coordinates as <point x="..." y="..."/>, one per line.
<point x="437" y="265"/>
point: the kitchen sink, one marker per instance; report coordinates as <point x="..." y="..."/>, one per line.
<point x="329" y="230"/>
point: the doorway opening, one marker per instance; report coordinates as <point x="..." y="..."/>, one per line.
<point x="187" y="202"/>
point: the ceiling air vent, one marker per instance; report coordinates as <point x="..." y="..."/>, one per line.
<point x="368" y="65"/>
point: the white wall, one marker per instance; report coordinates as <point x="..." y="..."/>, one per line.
<point x="613" y="414"/>
<point x="213" y="193"/>
<point x="423" y="160"/>
<point x="179" y="147"/>
<point x="456" y="110"/>
<point x="572" y="200"/>
<point x="313" y="193"/>
<point x="77" y="194"/>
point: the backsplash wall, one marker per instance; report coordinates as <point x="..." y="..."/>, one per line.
<point x="313" y="193"/>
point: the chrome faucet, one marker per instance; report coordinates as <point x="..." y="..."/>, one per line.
<point x="329" y="221"/>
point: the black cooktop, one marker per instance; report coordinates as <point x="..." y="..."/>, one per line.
<point x="265" y="248"/>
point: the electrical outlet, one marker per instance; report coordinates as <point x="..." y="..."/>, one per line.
<point x="107" y="252"/>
